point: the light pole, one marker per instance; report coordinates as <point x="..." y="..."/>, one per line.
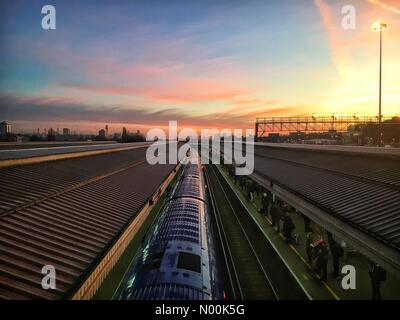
<point x="380" y="26"/>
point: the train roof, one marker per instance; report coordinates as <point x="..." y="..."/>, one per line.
<point x="181" y="221"/>
<point x="174" y="263"/>
<point x="191" y="170"/>
<point x="191" y="184"/>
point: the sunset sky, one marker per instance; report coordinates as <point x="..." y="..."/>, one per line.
<point x="204" y="63"/>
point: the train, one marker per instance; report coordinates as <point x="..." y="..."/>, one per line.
<point x="178" y="259"/>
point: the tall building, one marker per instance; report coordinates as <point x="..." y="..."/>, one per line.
<point x="5" y="128"/>
<point x="66" y="131"/>
<point x="124" y="136"/>
<point x="106" y="130"/>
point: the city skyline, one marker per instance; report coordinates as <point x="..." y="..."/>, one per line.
<point x="207" y="64"/>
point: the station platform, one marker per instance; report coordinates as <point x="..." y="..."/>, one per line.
<point x="296" y="259"/>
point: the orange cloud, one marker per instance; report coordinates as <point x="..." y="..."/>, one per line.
<point x="385" y="5"/>
<point x="253" y="102"/>
<point x="51" y="112"/>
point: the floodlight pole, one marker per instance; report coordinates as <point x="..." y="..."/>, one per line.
<point x="380" y="142"/>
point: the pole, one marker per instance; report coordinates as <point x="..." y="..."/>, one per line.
<point x="380" y="89"/>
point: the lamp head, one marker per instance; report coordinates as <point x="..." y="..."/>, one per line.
<point x="379" y="25"/>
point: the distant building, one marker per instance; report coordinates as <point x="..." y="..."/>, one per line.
<point x="51" y="135"/>
<point x="5" y="128"/>
<point x="66" y="131"/>
<point x="102" y="134"/>
<point x="273" y="137"/>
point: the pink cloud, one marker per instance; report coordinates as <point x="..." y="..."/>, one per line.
<point x="338" y="46"/>
<point x="107" y="69"/>
<point x="179" y="91"/>
<point x="103" y="68"/>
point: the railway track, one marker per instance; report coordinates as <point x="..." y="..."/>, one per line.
<point x="255" y="270"/>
